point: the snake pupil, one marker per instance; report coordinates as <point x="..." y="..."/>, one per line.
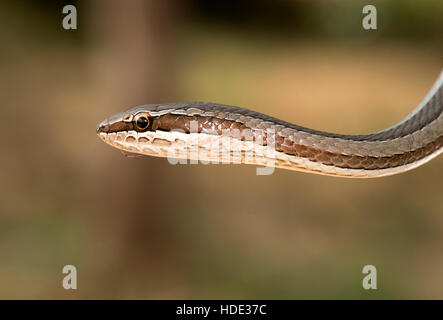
<point x="142" y="122"/>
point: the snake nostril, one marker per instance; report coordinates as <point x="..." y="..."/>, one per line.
<point x="102" y="127"/>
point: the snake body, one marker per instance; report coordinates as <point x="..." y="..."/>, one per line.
<point x="220" y="133"/>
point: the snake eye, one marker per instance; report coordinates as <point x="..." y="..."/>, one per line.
<point x="141" y="122"/>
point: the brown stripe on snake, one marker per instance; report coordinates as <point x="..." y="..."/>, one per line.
<point x="423" y="117"/>
<point x="217" y="126"/>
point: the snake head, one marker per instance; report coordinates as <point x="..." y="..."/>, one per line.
<point x="131" y="130"/>
<point x="136" y="119"/>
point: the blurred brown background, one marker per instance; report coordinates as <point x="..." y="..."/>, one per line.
<point x="142" y="228"/>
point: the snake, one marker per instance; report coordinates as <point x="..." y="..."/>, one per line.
<point x="217" y="133"/>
